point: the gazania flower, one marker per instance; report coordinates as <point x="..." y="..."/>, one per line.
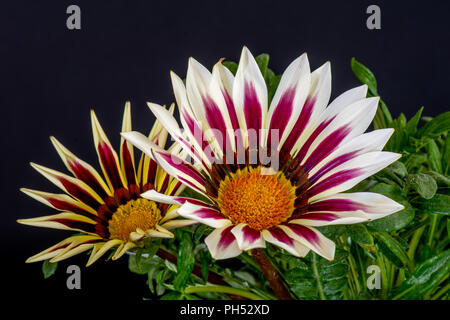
<point x="322" y="152"/>
<point x="108" y="213"/>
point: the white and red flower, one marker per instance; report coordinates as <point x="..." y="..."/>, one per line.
<point x="322" y="151"/>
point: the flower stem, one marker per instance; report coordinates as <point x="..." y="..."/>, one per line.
<point x="271" y="274"/>
<point x="223" y="289"/>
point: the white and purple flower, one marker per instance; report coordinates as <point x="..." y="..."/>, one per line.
<point x="322" y="151"/>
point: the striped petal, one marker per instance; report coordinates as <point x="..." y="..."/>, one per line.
<point x="76" y="188"/>
<point x="222" y="244"/>
<point x="279" y="238"/>
<point x="205" y="215"/>
<point x="334" y="131"/>
<point x="107" y="156"/>
<point x="60" y="247"/>
<point x="250" y="98"/>
<point x="95" y="255"/>
<point x="124" y="247"/>
<point x="320" y="218"/>
<point x="60" y="202"/>
<point x="368" y="142"/>
<point x="178" y="223"/>
<point x="350" y="173"/>
<point x="247" y="238"/>
<point x="209" y="106"/>
<point x="126" y="150"/>
<point x="373" y="205"/>
<point x="64" y="221"/>
<point x="318" y="97"/>
<point x="173" y="165"/>
<point x="311" y="238"/>
<point x="82" y="170"/>
<point x="289" y="98"/>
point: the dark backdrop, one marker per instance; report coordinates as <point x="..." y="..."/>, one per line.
<point x="50" y="77"/>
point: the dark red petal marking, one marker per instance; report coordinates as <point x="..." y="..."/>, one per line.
<point x="165" y="184"/>
<point x="87" y="177"/>
<point x="333" y="164"/>
<point x="216" y="121"/>
<point x="328" y="145"/>
<point x="305" y="147"/>
<point x="110" y="165"/>
<point x="279" y="235"/>
<point x="197" y="133"/>
<point x="300" y="125"/>
<point x="68" y="206"/>
<point x="151" y="173"/>
<point x="250" y="235"/>
<point x="282" y="113"/>
<point x="226" y="238"/>
<point x="336" y="205"/>
<point x="334" y="180"/>
<point x="175" y="189"/>
<point x="79" y="193"/>
<point x="128" y="164"/>
<point x="206" y="213"/>
<point x="323" y="216"/>
<point x="305" y="232"/>
<point x="186" y="168"/>
<point x="252" y="111"/>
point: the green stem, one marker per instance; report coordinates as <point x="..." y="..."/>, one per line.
<point x="354" y="273"/>
<point x="441" y="292"/>
<point x="384" y="278"/>
<point x="223" y="289"/>
<point x="316" y="274"/>
<point x="434" y="219"/>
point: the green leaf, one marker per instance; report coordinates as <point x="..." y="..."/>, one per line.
<point x="426" y="276"/>
<point x="437" y="126"/>
<point x="448" y="228"/>
<point x="439" y="178"/>
<point x="415" y="161"/>
<point x="424" y="184"/>
<point x="411" y="126"/>
<point x="446" y="156"/>
<point x="364" y="75"/>
<point x="263" y="61"/>
<point x="393" y="250"/>
<point x="332" y="232"/>
<point x="359" y="234"/>
<point x="48" y="268"/>
<point x="232" y="66"/>
<point x="439" y="204"/>
<point x="185" y="261"/>
<point x="172" y="296"/>
<point x="144" y="265"/>
<point x="274" y="82"/>
<point x="434" y="156"/>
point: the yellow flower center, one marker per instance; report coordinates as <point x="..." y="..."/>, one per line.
<point x="259" y="200"/>
<point x="135" y="214"/>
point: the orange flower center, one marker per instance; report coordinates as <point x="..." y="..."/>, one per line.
<point x="259" y="200"/>
<point x="135" y="214"/>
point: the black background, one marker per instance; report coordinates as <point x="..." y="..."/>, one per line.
<point x="51" y="77"/>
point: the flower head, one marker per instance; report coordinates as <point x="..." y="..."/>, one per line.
<point x="108" y="212"/>
<point x="316" y="151"/>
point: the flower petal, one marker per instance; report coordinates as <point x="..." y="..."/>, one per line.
<point x="205" y="215"/>
<point x="289" y="98"/>
<point x="319" y="218"/>
<point x="247" y="238"/>
<point x="371" y="141"/>
<point x="107" y="156"/>
<point x="279" y="238"/>
<point x="64" y="221"/>
<point x="76" y="188"/>
<point x="250" y="98"/>
<point x="222" y="244"/>
<point x="348" y="174"/>
<point x="126" y="150"/>
<point x="374" y="205"/>
<point x="82" y="170"/>
<point x="311" y="238"/>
